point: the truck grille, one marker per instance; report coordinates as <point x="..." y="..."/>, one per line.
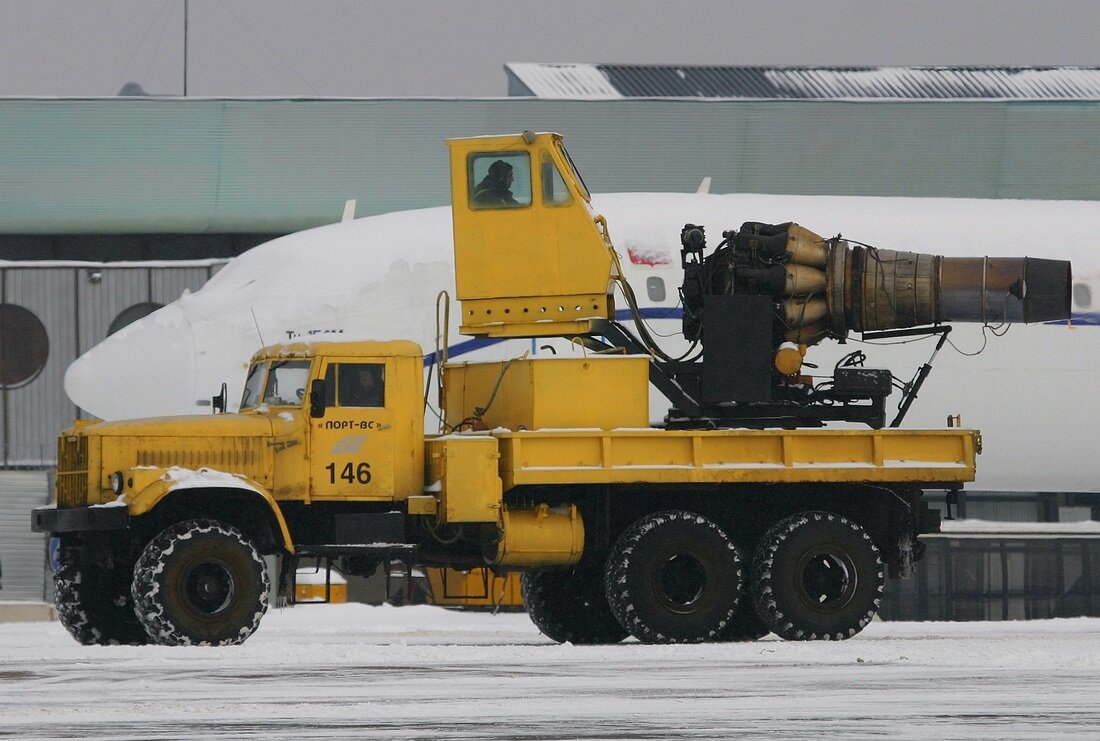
<point x="236" y="456"/>
<point x="72" y="471"/>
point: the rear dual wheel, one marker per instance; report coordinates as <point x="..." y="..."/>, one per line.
<point x="817" y="576"/>
<point x="674" y="577"/>
<point x="569" y="605"/>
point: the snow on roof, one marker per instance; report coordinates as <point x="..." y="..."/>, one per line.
<point x="563" y="80"/>
<point x="803" y="83"/>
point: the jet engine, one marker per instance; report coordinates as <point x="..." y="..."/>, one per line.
<point x="767" y="291"/>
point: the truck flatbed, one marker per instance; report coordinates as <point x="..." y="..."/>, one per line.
<point x="944" y="456"/>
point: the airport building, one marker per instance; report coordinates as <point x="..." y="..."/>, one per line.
<point x="115" y="206"/>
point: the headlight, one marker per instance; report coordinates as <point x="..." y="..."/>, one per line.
<point x="116" y="482"/>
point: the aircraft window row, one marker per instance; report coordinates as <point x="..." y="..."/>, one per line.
<point x="1082" y="295"/>
<point x="25" y="344"/>
<point x="355" y="385"/>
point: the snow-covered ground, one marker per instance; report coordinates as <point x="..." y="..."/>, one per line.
<point x="352" y="671"/>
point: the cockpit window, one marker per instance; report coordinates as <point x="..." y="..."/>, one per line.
<point x="499" y="180"/>
<point x="286" y="383"/>
<point x="252" y="386"/>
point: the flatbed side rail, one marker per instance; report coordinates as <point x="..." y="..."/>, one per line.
<point x="737" y="456"/>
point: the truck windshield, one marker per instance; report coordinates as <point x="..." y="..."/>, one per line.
<point x="252" y="385"/>
<point x="286" y="383"/>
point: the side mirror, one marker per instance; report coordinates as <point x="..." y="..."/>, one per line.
<point x="219" y="401"/>
<point x="317" y="398"/>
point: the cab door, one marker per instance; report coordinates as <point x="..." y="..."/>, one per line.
<point x="352" y="445"/>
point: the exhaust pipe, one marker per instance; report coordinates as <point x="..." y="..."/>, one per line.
<point x="829" y="287"/>
<point x="870" y="289"/>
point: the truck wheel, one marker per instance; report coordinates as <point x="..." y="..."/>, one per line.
<point x="673" y="577"/>
<point x="818" y="576"/>
<point x="745" y="625"/>
<point x="569" y="606"/>
<point x="94" y="607"/>
<point x="200" y="582"/>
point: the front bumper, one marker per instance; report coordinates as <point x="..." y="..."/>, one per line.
<point x="79" y="519"/>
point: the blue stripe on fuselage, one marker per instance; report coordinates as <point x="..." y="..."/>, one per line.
<point x="477" y="343"/>
<point x="1081" y="318"/>
<point x="464" y="347"/>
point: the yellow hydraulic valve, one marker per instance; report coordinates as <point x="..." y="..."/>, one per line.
<point x="788" y="358"/>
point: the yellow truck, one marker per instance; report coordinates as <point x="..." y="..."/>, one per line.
<point x="740" y="515"/>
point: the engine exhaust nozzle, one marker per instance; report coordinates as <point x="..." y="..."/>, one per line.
<point x="871" y="289"/>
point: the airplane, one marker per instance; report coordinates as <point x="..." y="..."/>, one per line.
<point x="1029" y="391"/>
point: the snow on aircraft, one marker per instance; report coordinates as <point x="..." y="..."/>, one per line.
<point x="1029" y="391"/>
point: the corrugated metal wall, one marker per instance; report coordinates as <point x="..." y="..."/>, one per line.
<point x="200" y="165"/>
<point x="76" y="304"/>
<point x="22" y="552"/>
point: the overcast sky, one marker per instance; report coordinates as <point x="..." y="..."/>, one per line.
<point x="452" y="48"/>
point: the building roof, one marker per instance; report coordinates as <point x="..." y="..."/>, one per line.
<point x="585" y="81"/>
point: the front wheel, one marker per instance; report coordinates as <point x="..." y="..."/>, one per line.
<point x="200" y="582"/>
<point x="94" y="605"/>
<point x="818" y="576"/>
<point x="674" y="577"/>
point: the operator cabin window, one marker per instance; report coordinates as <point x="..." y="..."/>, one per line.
<point x="499" y="180"/>
<point x="356" y="384"/>
<point x="554" y="190"/>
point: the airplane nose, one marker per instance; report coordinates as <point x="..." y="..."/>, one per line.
<point x="146" y="369"/>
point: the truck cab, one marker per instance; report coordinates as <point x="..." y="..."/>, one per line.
<point x="328" y="442"/>
<point x="346" y="419"/>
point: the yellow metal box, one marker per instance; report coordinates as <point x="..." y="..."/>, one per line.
<point x="309" y="586"/>
<point x="463" y="471"/>
<point x="599" y="392"/>
<point x="475" y="588"/>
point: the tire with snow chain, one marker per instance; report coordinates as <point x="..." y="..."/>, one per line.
<point x="200" y="582"/>
<point x="94" y="605"/>
<point x="745" y="625"/>
<point x="569" y="606"/>
<point x="817" y="576"/>
<point x="674" y="577"/>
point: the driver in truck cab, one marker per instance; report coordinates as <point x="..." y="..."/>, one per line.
<point x="495" y="188"/>
<point x="361" y="385"/>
